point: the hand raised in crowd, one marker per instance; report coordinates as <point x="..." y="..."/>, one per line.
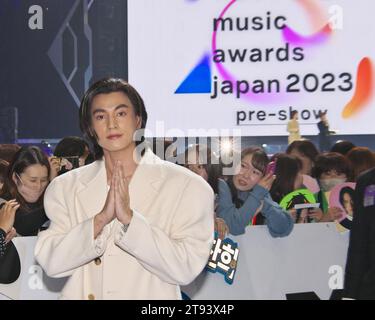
<point x="66" y="163"/>
<point x="316" y="214"/>
<point x="302" y="218"/>
<point x="7" y="215"/>
<point x="335" y="213"/>
<point x="221" y="228"/>
<point x="10" y="235"/>
<point x="55" y="167"/>
<point x="293" y="213"/>
<point x="267" y="181"/>
<point x="122" y="200"/>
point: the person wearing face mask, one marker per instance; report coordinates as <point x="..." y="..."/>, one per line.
<point x="245" y="195"/>
<point x="331" y="169"/>
<point x="25" y="181"/>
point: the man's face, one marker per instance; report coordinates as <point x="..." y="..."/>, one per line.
<point x="348" y="204"/>
<point x="114" y="121"/>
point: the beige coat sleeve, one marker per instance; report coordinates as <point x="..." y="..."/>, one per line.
<point x="180" y="256"/>
<point x="62" y="248"/>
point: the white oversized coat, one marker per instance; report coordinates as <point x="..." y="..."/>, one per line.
<point x="166" y="245"/>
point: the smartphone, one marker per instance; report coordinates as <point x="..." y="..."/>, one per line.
<point x="271" y="167"/>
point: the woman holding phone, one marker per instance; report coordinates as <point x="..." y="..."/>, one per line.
<point x="246" y="194"/>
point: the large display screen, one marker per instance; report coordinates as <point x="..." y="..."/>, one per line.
<point x="239" y="67"/>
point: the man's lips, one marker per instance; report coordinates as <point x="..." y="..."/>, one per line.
<point x="114" y="136"/>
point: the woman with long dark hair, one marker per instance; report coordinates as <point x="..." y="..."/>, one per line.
<point x="25" y="181"/>
<point x="306" y="151"/>
<point x="289" y="178"/>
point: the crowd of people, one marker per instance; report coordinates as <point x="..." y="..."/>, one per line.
<point x="251" y="196"/>
<point x="25" y="173"/>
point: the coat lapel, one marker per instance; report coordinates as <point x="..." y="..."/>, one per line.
<point x="146" y="182"/>
<point x="93" y="191"/>
<point x="143" y="188"/>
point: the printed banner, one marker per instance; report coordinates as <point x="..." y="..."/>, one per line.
<point x="239" y="67"/>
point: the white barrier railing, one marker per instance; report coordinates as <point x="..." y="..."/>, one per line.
<point x="311" y="258"/>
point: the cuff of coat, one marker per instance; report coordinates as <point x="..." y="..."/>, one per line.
<point x="259" y="192"/>
<point x="100" y="243"/>
<point x="124" y="239"/>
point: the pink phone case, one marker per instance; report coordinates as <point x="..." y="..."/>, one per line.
<point x="271" y="167"/>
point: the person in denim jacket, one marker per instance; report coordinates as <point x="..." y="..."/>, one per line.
<point x="245" y="195"/>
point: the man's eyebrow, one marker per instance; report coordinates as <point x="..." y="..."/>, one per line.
<point x="103" y="110"/>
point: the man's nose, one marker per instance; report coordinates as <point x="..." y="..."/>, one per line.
<point x="112" y="122"/>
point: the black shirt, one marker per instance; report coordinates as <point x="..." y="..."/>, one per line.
<point x="28" y="223"/>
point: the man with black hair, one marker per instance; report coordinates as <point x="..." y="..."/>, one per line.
<point x="324" y="132"/>
<point x="129" y="225"/>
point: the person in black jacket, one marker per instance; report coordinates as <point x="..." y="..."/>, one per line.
<point x="9" y="259"/>
<point x="73" y="153"/>
<point x="26" y="179"/>
<point x="360" y="265"/>
<point x="324" y="132"/>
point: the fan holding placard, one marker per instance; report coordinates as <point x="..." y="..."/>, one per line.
<point x="331" y="169"/>
<point x="288" y="188"/>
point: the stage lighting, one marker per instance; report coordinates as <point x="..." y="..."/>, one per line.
<point x="226" y="146"/>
